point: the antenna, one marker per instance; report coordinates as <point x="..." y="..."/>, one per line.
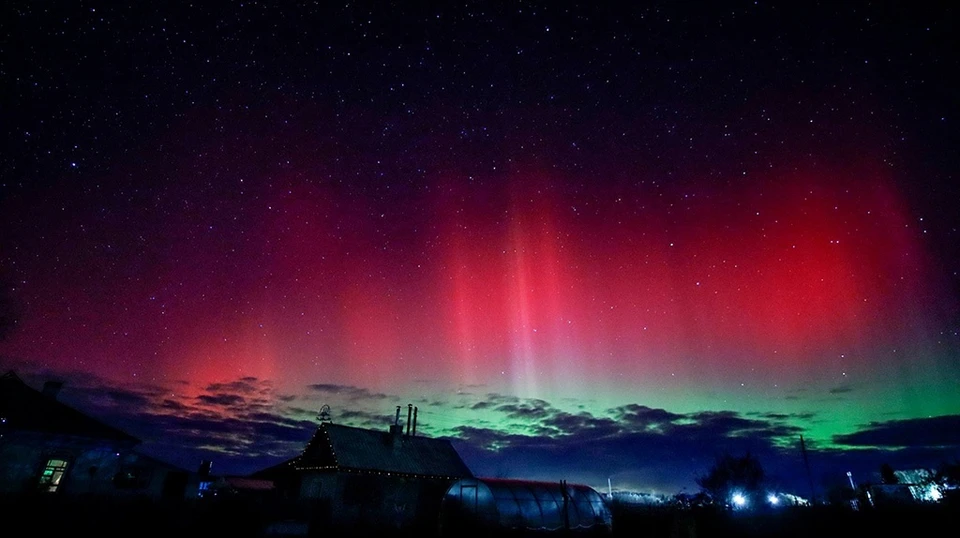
<point x="324" y="415"/>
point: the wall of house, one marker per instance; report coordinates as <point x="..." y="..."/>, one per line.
<point x="23" y="456"/>
<point x="20" y="465"/>
<point x="372" y="501"/>
<point x="94" y="466"/>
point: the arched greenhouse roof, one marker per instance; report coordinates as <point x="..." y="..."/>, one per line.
<point x="523" y="505"/>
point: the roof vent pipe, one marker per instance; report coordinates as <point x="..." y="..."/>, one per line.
<point x="396" y="429"/>
<point x="409" y="412"/>
<point x="414" y="421"/>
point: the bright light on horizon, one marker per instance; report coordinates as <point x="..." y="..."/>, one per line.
<point x="772" y="499"/>
<point x="739" y="500"/>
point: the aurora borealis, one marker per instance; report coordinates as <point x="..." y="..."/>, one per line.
<point x="585" y="241"/>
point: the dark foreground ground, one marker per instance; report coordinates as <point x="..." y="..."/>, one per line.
<point x="239" y="518"/>
<point x="798" y="522"/>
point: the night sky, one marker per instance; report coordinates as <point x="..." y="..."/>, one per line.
<point x="587" y="241"/>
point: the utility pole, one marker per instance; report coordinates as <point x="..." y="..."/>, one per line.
<point x="806" y="464"/>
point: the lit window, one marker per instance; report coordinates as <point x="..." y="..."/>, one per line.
<point x="52" y="474"/>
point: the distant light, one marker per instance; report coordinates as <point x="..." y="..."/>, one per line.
<point x="739" y="500"/>
<point x="772" y="499"/>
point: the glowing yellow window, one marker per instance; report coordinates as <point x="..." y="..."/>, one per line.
<point x="52" y="474"/>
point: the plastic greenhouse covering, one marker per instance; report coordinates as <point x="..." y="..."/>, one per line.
<point x="523" y="505"/>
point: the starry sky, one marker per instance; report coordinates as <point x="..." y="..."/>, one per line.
<point x="587" y="241"/>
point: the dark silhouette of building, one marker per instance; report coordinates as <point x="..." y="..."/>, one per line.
<point x="360" y="478"/>
<point x="47" y="446"/>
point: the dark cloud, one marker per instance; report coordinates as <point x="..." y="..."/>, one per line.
<point x="174" y="405"/>
<point x="302" y="411"/>
<point x="731" y="424"/>
<point x="490" y="439"/>
<point x="934" y="432"/>
<point x="347" y="391"/>
<point x="842" y="389"/>
<point x="127" y="398"/>
<point x="279" y="419"/>
<point x="363" y="418"/>
<point x="643" y="417"/>
<point x="527" y="410"/>
<point x="784" y="416"/>
<point x="496" y="398"/>
<point x="583" y="424"/>
<point x="245" y="385"/>
<point x="221" y="399"/>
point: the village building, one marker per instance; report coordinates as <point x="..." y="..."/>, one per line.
<point x="355" y="477"/>
<point x="49" y="447"/>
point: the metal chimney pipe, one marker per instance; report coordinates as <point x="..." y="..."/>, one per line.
<point x="409" y="412"/>
<point x="397" y="420"/>
<point x="414" y="421"/>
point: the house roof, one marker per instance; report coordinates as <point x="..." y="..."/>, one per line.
<point x="24" y="408"/>
<point x="334" y="446"/>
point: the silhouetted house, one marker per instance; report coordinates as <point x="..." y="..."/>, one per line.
<point x="47" y="446"/>
<point x="359" y="478"/>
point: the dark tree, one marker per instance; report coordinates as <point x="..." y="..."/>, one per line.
<point x="949" y="473"/>
<point x="732" y="475"/>
<point x="887" y="476"/>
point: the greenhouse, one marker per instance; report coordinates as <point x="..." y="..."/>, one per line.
<point x="473" y="504"/>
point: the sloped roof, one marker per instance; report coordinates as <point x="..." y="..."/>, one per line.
<point x="24" y="408"/>
<point x="335" y="446"/>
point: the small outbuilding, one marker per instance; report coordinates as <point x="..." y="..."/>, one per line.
<point x="500" y="506"/>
